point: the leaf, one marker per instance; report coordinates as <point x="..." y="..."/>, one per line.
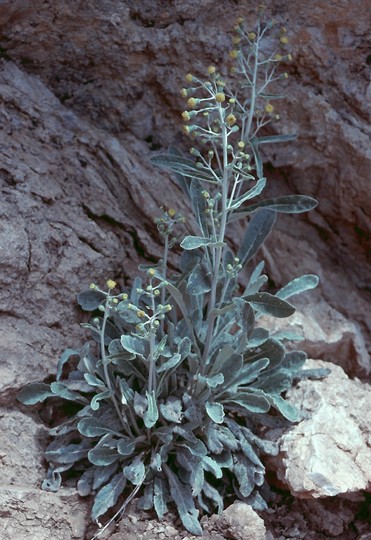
<point x="195" y="242"/>
<point x="173" y="362"/>
<point x="61" y="390"/>
<point x="198" y="280"/>
<point x="268" y="304"/>
<point x="103" y="474"/>
<point x="150" y="417"/>
<point x="298" y="285"/>
<point x="94" y="404"/>
<point x="199" y="205"/>
<point x="210" y="465"/>
<point x="67" y="454"/>
<point x="213" y="381"/>
<point x="63" y="359"/>
<point x="160" y="497"/>
<point x="183" y="500"/>
<point x="250" y="194"/>
<point x="256" y="402"/>
<point x="250" y="372"/>
<point x="285" y="408"/>
<point x="126" y="447"/>
<point x="215" y="411"/>
<point x="90" y="300"/>
<point x="275" y="138"/>
<point x="85" y="483"/>
<point x="136" y="471"/>
<point x="34" y="393"/>
<point x="108" y="496"/>
<point x="93" y="427"/>
<point x="171" y="410"/>
<point x="181" y="181"/>
<point x="103" y="455"/>
<point x="241" y="469"/>
<point x="134" y="345"/>
<point x="213" y="494"/>
<point x="94" y="381"/>
<point x="288" y="204"/>
<point x="183" y="166"/>
<point x="259" y="227"/>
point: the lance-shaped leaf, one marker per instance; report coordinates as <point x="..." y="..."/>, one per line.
<point x="254" y="400"/>
<point x="268" y="139"/>
<point x="93" y="427"/>
<point x="182" y="181"/>
<point x="67" y="454"/>
<point x="34" y="393"/>
<point x="268" y="304"/>
<point x="257" y="231"/>
<point x="288" y="204"/>
<point x="285" y="408"/>
<point x="198" y="202"/>
<point x="134" y="345"/>
<point x="182" y="497"/>
<point x="103" y="455"/>
<point x="195" y="242"/>
<point x="184" y="166"/>
<point x="198" y="280"/>
<point x="172" y="410"/>
<point x="108" y="496"/>
<point x="150" y="417"/>
<point x="61" y="390"/>
<point x="63" y="359"/>
<point x="250" y="194"/>
<point x="95" y="402"/>
<point x="160" y="497"/>
<point x="298" y="285"/>
<point x="103" y="474"/>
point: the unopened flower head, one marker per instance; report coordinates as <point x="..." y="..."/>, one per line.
<point x="211" y="70"/>
<point x="231" y="119"/>
<point x="233" y="54"/>
<point x="185" y="115"/>
<point x="192" y="102"/>
<point x="151" y="272"/>
<point x="251" y="36"/>
<point x="269" y="108"/>
<point x="220" y="97"/>
<point x="111" y="284"/>
<point x="189" y="77"/>
<point x="184" y="92"/>
<point x="284" y="40"/>
<point x="171" y="212"/>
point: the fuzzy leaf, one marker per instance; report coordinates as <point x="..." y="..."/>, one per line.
<point x="183" y="166"/>
<point x="94" y="404"/>
<point x="93" y="427"/>
<point x="259" y="227"/>
<point x="108" y="496"/>
<point x="67" y="454"/>
<point x="210" y="465"/>
<point x="150" y="417"/>
<point x="250" y="372"/>
<point x="103" y="455"/>
<point x="34" y="393"/>
<point x="275" y="138"/>
<point x="160" y="497"/>
<point x="215" y="411"/>
<point x="183" y="500"/>
<point x="289" y="204"/>
<point x="63" y="359"/>
<point x="103" y="474"/>
<point x="198" y="281"/>
<point x="61" y="390"/>
<point x="135" y="472"/>
<point x="195" y="242"/>
<point x="285" y="408"/>
<point x="85" y="483"/>
<point x="133" y="345"/>
<point x="173" y="362"/>
<point x="268" y="304"/>
<point x="242" y="469"/>
<point x="126" y="447"/>
<point x="90" y="300"/>
<point x="214" y="495"/>
<point x="250" y="194"/>
<point x="171" y="410"/>
<point x="298" y="285"/>
<point x="255" y="402"/>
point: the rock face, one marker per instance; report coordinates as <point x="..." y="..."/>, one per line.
<point x="88" y="91"/>
<point x="329" y="453"/>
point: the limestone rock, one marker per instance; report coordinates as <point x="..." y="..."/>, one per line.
<point x="238" y="522"/>
<point x="329" y="453"/>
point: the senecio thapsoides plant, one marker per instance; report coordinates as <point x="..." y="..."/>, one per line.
<point x="172" y="390"/>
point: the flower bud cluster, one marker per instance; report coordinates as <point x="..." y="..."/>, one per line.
<point x="232" y="270"/>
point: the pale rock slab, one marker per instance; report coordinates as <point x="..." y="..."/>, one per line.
<point x="239" y="522"/>
<point x="329" y="452"/>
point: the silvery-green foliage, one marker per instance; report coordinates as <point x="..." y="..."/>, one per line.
<point x="179" y="374"/>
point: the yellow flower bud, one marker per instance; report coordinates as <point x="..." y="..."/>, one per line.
<point x="111" y="284"/>
<point x="233" y="54"/>
<point x="231" y="119"/>
<point x="289" y="57"/>
<point x="269" y="108"/>
<point x="192" y="102"/>
<point x="240" y="20"/>
<point x="236" y="40"/>
<point x="284" y="40"/>
<point x="186" y="130"/>
<point x="285" y="75"/>
<point x="92" y="286"/>
<point x="183" y="92"/>
<point x="220" y="97"/>
<point x="171" y="212"/>
<point x="189" y="77"/>
<point x="241" y="144"/>
<point x="151" y="272"/>
<point x="251" y="36"/>
<point x="185" y="116"/>
<point x="124" y="296"/>
<point x="211" y="70"/>
<point x="141" y="313"/>
<point x="277" y="57"/>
